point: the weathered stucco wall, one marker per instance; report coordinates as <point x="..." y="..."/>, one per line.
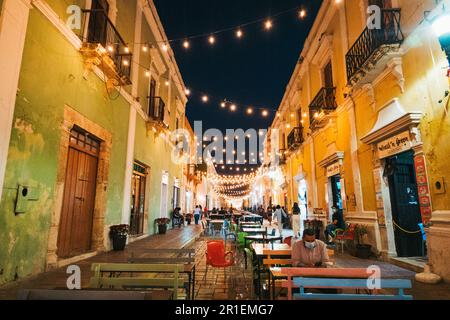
<point x="51" y="77"/>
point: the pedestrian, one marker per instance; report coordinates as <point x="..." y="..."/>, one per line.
<point x="280" y="216"/>
<point x="197" y="214"/>
<point x="296" y="219"/>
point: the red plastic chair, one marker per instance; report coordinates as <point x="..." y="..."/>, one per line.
<point x="216" y="256"/>
<point x="288" y="241"/>
<point x="343" y="235"/>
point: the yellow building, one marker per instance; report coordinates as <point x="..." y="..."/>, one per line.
<point x="363" y="126"/>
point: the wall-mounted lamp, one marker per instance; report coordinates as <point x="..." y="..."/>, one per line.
<point x="441" y="27"/>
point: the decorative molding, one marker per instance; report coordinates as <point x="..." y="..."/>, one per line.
<point x="371" y="94"/>
<point x="324" y="52"/>
<point x="392" y="119"/>
<point x="332" y="158"/>
<point x="396" y="68"/>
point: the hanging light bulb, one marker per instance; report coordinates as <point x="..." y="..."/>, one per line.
<point x="302" y="14"/>
<point x="233" y="107"/>
<point x="147" y="74"/>
<point x="212" y="39"/>
<point x="223" y="105"/>
<point x="268" y="24"/>
<point x="145" y="48"/>
<point x="127" y="50"/>
<point x="239" y="33"/>
<point x="205" y="98"/>
<point x="110" y="48"/>
<point x="186" y="44"/>
<point x="187" y="92"/>
<point x="265" y="113"/>
<point x="167" y="83"/>
<point x="250" y="110"/>
<point x="165" y="47"/>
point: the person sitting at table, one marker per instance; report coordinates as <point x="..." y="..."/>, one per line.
<point x="330" y="230"/>
<point x="309" y="252"/>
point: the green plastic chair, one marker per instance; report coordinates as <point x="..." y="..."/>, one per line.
<point x="241" y="239"/>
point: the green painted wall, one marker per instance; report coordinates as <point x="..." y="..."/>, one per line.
<point x="154" y="152"/>
<point x="51" y="77"/>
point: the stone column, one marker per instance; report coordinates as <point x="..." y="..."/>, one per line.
<point x="13" y="28"/>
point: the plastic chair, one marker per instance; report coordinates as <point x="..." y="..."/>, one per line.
<point x="230" y="233"/>
<point x="343" y="235"/>
<point x="288" y="241"/>
<point x="216" y="256"/>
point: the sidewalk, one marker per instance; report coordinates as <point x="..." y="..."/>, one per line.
<point x="174" y="239"/>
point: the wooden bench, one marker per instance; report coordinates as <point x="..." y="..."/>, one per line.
<point x="276" y="258"/>
<point x="109" y="276"/>
<point x="342" y="273"/>
<point x="358" y="284"/>
<point x="185" y="257"/>
<point x="44" y="294"/>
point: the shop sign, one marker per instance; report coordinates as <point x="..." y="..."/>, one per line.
<point x="333" y="170"/>
<point x="394" y="145"/>
<point x="424" y="190"/>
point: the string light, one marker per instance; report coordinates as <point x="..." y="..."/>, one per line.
<point x="250" y="111"/>
<point x="302" y="13"/>
<point x="212" y="39"/>
<point x="205" y="99"/>
<point x="223" y="105"/>
<point x="239" y="33"/>
<point x="186" y="44"/>
<point x="233" y="107"/>
<point x="268" y="24"/>
<point x="187" y="92"/>
<point x="265" y="113"/>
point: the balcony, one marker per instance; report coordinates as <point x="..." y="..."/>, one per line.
<point x="373" y="47"/>
<point x="156" y="111"/>
<point x="104" y="47"/>
<point x="323" y="104"/>
<point x="295" y="139"/>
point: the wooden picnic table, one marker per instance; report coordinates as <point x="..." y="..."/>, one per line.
<point x="258" y="249"/>
<point x="331" y="272"/>
<point x="263" y="239"/>
<point x="254" y="231"/>
<point x="155" y="256"/>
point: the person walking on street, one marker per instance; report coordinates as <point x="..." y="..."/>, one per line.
<point x="280" y="216"/>
<point x="197" y="214"/>
<point x="296" y="219"/>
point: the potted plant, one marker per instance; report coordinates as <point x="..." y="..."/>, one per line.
<point x="363" y="250"/>
<point x="162" y="225"/>
<point x="119" y="235"/>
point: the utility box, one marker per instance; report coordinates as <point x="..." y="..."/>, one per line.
<point x="26" y="198"/>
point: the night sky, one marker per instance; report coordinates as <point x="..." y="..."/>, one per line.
<point x="252" y="71"/>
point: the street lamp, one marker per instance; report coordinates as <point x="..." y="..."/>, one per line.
<point x="441" y="27"/>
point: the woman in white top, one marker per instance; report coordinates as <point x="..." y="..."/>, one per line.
<point x="197" y="214"/>
<point x="278" y="216"/>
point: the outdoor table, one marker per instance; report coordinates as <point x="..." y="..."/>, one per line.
<point x="215" y="222"/>
<point x="258" y="249"/>
<point x="250" y="225"/>
<point x="263" y="239"/>
<point x="254" y="231"/>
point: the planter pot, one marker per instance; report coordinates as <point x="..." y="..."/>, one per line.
<point x="162" y="228"/>
<point x="363" y="251"/>
<point x="119" y="241"/>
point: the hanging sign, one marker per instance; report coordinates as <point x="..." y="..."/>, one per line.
<point x="334" y="170"/>
<point x="394" y="145"/>
<point x="424" y="190"/>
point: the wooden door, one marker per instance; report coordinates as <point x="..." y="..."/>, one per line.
<point x="405" y="206"/>
<point x="138" y="200"/>
<point x="75" y="232"/>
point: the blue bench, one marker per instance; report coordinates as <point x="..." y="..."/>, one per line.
<point x="357" y="284"/>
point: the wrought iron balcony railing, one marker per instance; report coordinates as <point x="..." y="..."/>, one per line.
<point x="97" y="29"/>
<point x="325" y="101"/>
<point x="373" y="41"/>
<point x="156" y="109"/>
<point x="295" y="138"/>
